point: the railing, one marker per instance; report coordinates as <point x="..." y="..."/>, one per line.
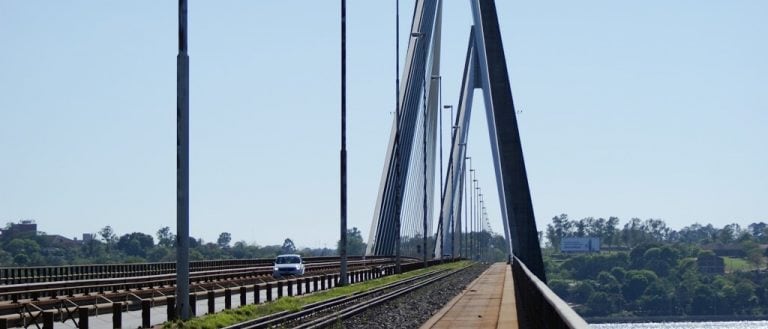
<point x="33" y="274"/>
<point x="538" y="306"/>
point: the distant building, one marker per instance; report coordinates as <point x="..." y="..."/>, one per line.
<point x="60" y="241"/>
<point x="88" y="237"/>
<point x="725" y="250"/>
<point x="580" y="244"/>
<point x="26" y="227"/>
<point x="710" y="264"/>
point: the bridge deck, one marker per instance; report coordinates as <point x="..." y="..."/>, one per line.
<point x="484" y="304"/>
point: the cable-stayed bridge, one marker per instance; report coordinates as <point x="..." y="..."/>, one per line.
<point x="404" y="232"/>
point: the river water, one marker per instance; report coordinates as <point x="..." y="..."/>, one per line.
<point x="685" y="325"/>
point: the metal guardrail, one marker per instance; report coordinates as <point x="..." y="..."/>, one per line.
<point x="36" y="274"/>
<point x="538" y="306"/>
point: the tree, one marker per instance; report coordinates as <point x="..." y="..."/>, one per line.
<point x="600" y="304"/>
<point x="288" y="247"/>
<point x="22" y="246"/>
<point x="703" y="300"/>
<point x="758" y="230"/>
<point x="632" y="233"/>
<point x="636" y="283"/>
<point x="108" y="235"/>
<point x="611" y="230"/>
<point x="560" y="228"/>
<point x="658" y="299"/>
<point x="355" y="244"/>
<point x="729" y="233"/>
<point x="224" y="239"/>
<point x="135" y="244"/>
<point x="655" y="229"/>
<point x="165" y="237"/>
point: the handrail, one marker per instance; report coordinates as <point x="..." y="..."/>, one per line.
<point x="538" y="306"/>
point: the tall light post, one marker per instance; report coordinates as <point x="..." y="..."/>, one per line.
<point x="343" y="279"/>
<point x="182" y="168"/>
<point x="471" y="219"/>
<point x="453" y="128"/>
<point x="474" y="215"/>
<point x="479" y="221"/>
<point x="467" y="203"/>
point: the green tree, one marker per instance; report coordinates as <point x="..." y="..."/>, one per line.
<point x="581" y="291"/>
<point x="108" y="236"/>
<point x="135" y="244"/>
<point x="560" y="228"/>
<point x="22" y="246"/>
<point x="288" y="247"/>
<point x="165" y="237"/>
<point x="224" y="239"/>
<point x="611" y="231"/>
<point x="744" y="297"/>
<point x="636" y="282"/>
<point x="703" y="300"/>
<point x="601" y="304"/>
<point x="658" y="299"/>
<point x="355" y="244"/>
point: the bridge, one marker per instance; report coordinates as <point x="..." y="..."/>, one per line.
<point x="403" y="235"/>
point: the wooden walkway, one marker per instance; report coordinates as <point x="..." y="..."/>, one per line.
<point x="488" y="302"/>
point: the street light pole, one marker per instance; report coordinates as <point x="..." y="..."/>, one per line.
<point x="467" y="180"/>
<point x="182" y="168"/>
<point x="343" y="279"/>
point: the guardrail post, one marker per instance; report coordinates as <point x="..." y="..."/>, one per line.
<point x="336" y="280"/>
<point x="279" y="289"/>
<point x="306" y="285"/>
<point x="3" y="323"/>
<point x="171" y="301"/>
<point x="82" y="321"/>
<point x="323" y="279"/>
<point x="193" y="303"/>
<point x="269" y="292"/>
<point x="146" y="304"/>
<point x="290" y="287"/>
<point x="298" y="287"/>
<point x="227" y="298"/>
<point x="211" y="302"/>
<point x="243" y="291"/>
<point x="315" y="281"/>
<point x="47" y="320"/>
<point x="117" y="315"/>
<point x="256" y="296"/>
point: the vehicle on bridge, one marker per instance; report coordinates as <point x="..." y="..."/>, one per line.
<point x="289" y="264"/>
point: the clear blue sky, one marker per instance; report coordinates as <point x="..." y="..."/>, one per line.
<point x="652" y="109"/>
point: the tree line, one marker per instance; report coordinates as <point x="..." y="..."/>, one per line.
<point x="107" y="247"/>
<point x="652" y="270"/>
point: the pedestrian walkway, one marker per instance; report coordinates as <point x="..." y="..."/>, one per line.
<point x="488" y="302"/>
